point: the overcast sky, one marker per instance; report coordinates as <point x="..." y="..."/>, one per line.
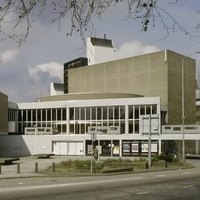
<point x="27" y="71"/>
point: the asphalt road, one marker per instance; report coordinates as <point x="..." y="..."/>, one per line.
<point x="176" y="184"/>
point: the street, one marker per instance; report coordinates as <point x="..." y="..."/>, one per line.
<point x="175" y="184"/>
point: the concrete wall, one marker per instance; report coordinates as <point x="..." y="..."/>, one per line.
<point x="175" y="88"/>
<point x="26" y="145"/>
<point x="3" y="113"/>
<point x="144" y="75"/>
<point x="151" y="75"/>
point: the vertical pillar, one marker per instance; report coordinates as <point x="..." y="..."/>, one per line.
<point x="126" y="120"/>
<point x="18" y="168"/>
<point x="159" y="146"/>
<point x="36" y="167"/>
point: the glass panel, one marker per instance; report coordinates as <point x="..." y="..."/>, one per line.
<point x="104" y="112"/>
<point x="53" y="114"/>
<point x="71" y="113"/>
<point x="122" y="127"/>
<point x="87" y="113"/>
<point x="34" y="115"/>
<point x="59" y="114"/>
<point x="142" y="110"/>
<point x="122" y="112"/>
<point x="154" y="109"/>
<point x="64" y="114"/>
<point x="43" y="115"/>
<point x="71" y="129"/>
<point x="130" y="127"/>
<point x="136" y="126"/>
<point x="76" y="113"/>
<point x="148" y="109"/>
<point x="29" y="115"/>
<point x="93" y="113"/>
<point x="98" y="113"/>
<point x="110" y="112"/>
<point x="130" y="112"/>
<point x="136" y="112"/>
<point x="48" y="114"/>
<point x="82" y="113"/>
<point x="116" y="110"/>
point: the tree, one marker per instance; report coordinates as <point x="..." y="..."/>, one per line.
<point x="17" y="16"/>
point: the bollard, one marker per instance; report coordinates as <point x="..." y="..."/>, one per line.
<point x="0" y="168"/>
<point x="166" y="164"/>
<point x="147" y="166"/>
<point x="18" y="168"/>
<point x="36" y="167"/>
<point x="53" y="167"/>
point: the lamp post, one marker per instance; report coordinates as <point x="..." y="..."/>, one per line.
<point x="149" y="143"/>
<point x="36" y="132"/>
<point x="183" y="103"/>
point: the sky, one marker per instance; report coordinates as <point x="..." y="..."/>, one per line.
<point x="27" y="71"/>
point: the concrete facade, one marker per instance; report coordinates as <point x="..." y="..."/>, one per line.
<point x="3" y="113"/>
<point x="122" y="94"/>
<point x="150" y="75"/>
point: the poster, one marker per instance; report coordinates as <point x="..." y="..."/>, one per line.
<point x="145" y="148"/>
<point x="135" y="148"/>
<point x="126" y="147"/>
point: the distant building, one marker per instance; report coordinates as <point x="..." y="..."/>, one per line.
<point x="3" y="113"/>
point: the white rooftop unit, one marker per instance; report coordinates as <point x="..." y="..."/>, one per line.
<point x="100" y="50"/>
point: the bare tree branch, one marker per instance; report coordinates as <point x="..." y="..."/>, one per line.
<point x="17" y="16"/>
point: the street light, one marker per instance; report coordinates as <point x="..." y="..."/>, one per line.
<point x="183" y="105"/>
<point x="36" y="132"/>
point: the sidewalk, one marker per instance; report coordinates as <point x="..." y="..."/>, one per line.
<point x="27" y="166"/>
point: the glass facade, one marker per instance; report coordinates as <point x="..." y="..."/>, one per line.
<point x="134" y="113"/>
<point x="12" y="115"/>
<point x="77" y="120"/>
<point x="82" y="118"/>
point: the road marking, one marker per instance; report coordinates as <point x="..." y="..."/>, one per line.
<point x="188" y="186"/>
<point x="161" y="175"/>
<point x="140" y="193"/>
<point x="187" y="172"/>
<point x="65" y="184"/>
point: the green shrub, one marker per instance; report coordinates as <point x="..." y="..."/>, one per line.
<point x="81" y="164"/>
<point x="167" y="158"/>
<point x="98" y="166"/>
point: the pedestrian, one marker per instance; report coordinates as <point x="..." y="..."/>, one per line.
<point x="96" y="153"/>
<point x="175" y="152"/>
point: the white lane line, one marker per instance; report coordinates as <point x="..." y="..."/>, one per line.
<point x="188" y="186"/>
<point x="140" y="193"/>
<point x="161" y="175"/>
<point x="64" y="184"/>
<point x="187" y="172"/>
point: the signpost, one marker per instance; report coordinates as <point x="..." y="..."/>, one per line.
<point x="93" y="138"/>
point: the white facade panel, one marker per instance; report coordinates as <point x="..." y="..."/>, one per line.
<point x="99" y="54"/>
